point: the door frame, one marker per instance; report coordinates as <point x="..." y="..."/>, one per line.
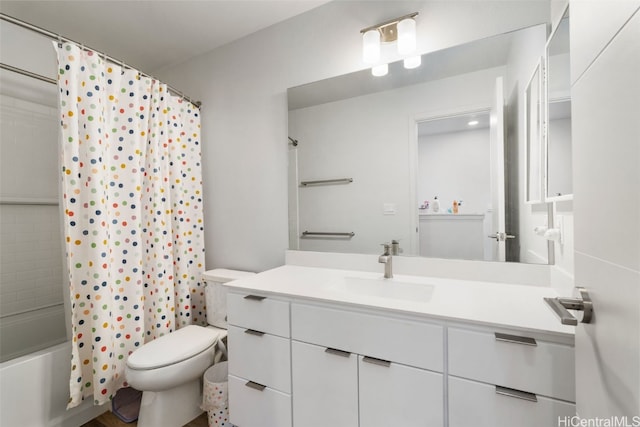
<point x="414" y="121"/>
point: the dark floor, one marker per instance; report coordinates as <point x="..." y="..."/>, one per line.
<point x="109" y="420"/>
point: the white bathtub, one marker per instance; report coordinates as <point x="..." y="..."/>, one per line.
<point x="34" y="390"/>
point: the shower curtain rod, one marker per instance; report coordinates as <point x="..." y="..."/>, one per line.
<point x="60" y="38"/>
<point x="27" y="73"/>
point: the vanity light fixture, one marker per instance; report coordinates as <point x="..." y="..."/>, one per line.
<point x="380" y="70"/>
<point x="402" y="30"/>
<point x="412" y="62"/>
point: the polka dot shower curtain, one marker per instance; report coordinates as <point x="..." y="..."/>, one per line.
<point x="132" y="195"/>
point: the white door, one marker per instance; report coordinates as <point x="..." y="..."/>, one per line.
<point x="605" y="68"/>
<point x="498" y="232"/>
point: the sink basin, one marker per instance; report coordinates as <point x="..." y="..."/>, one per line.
<point x="393" y="289"/>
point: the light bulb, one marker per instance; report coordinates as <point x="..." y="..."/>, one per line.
<point x="380" y="70"/>
<point x="406" y="36"/>
<point x="371" y="47"/>
<point x="412" y="62"/>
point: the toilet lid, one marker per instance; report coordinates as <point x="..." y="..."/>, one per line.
<point x="175" y="347"/>
<point x="223" y="275"/>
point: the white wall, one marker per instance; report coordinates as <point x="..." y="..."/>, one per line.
<point x="244" y="117"/>
<point x="455" y="166"/>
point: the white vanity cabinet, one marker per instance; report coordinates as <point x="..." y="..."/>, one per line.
<point x="259" y="361"/>
<point x="301" y="355"/>
<point x="495" y="378"/>
<point x="351" y="368"/>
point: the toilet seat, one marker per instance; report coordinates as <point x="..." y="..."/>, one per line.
<point x="173" y="348"/>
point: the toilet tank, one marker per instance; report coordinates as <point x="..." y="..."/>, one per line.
<point x="216" y="294"/>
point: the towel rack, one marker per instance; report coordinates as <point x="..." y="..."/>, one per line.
<point x="28" y="201"/>
<point x="327" y="181"/>
<point x="327" y="234"/>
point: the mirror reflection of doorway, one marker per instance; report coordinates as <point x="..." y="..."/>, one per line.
<point x="454" y="165"/>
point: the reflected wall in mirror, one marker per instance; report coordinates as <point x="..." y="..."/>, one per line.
<point x="558" y="130"/>
<point x="533" y="137"/>
<point x="365" y="128"/>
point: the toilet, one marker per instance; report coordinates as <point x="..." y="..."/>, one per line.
<point x="169" y="369"/>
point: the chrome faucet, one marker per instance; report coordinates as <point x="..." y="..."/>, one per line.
<point x="387" y="259"/>
<point x="395" y="247"/>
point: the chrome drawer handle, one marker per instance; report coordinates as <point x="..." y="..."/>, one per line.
<point x="510" y="392"/>
<point x="375" y="361"/>
<point x="254" y="332"/>
<point x="515" y="339"/>
<point x="254" y="297"/>
<point x="255" y="386"/>
<point x="337" y="352"/>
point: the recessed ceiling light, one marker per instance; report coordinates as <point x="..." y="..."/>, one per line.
<point x="473" y="122"/>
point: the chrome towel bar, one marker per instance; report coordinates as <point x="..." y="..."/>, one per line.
<point x="327" y="181"/>
<point x="327" y="234"/>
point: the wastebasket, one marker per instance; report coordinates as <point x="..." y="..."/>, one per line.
<point x="215" y="395"/>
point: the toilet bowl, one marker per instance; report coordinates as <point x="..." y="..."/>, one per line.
<point x="169" y="369"/>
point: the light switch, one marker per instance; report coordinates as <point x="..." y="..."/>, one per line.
<point x="389" y="208"/>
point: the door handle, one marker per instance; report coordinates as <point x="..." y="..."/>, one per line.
<point x="561" y="307"/>
<point x="501" y="237"/>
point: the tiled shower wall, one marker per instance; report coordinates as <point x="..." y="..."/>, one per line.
<point x="31" y="249"/>
<point x="30" y="258"/>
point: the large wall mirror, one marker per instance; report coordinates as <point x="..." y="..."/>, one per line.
<point x="558" y="185"/>
<point x="368" y="156"/>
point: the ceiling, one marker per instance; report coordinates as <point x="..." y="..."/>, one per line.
<point x="154" y="34"/>
<point x="459" y="123"/>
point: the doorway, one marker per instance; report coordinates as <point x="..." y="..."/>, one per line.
<point x="454" y="186"/>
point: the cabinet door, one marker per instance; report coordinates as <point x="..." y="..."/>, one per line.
<point x="398" y="395"/>
<point x="325" y="386"/>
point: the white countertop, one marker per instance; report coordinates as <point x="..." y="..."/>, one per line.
<point x="492" y="304"/>
<point x="430" y="215"/>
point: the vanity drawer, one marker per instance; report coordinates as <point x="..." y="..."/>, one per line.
<point x="482" y="405"/>
<point x="258" y="312"/>
<point x="260" y="357"/>
<point x="513" y="361"/>
<point x="250" y="405"/>
<point x="403" y="341"/>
